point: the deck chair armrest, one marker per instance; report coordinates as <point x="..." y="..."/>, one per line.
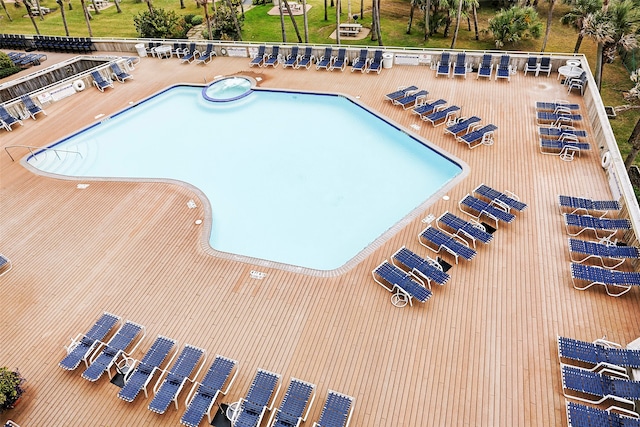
<point x="605" y="343"/>
<point x="309" y="405"/>
<point x="98" y="346"/>
<point x="191" y="393"/>
<point x="226" y="390"/>
<point x="273" y="398"/>
<point x="156" y="386"/>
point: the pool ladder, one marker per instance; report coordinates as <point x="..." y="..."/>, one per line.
<point x="31" y="148"/>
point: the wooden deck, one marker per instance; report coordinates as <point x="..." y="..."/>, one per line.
<point x="481" y="352"/>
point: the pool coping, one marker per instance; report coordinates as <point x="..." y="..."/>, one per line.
<point x="208" y="215"/>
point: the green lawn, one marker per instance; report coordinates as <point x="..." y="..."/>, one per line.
<point x="261" y="27"/>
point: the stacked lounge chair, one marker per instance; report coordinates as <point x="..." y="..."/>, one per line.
<point x="425" y="268"/>
<point x="139" y="375"/>
<point x="403" y="286"/>
<point x="477" y="208"/>
<point x="167" y="388"/>
<point x="260" y="398"/>
<point x="437" y="240"/>
<point x="208" y="390"/>
<point x="507" y="200"/>
<point x="83" y="345"/>
<point x="465" y="230"/>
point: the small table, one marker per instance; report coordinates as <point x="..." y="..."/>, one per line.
<point x="163" y="51"/>
<point x="573" y="62"/>
<point x="233" y="411"/>
<point x="569" y="71"/>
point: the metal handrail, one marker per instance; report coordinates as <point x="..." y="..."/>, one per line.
<point x="30" y="148"/>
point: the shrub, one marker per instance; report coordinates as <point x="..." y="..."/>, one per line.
<point x="197" y="20"/>
<point x="161" y="24"/>
<point x="515" y="24"/>
<point x="10" y="388"/>
<point x="5" y="61"/>
<point x="188" y="17"/>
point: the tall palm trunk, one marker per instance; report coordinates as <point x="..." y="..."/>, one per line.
<point x="325" y="11"/>
<point x="634" y="141"/>
<point x="378" y="29"/>
<point x="40" y="14"/>
<point x="427" y="7"/>
<point x="337" y="22"/>
<point x="475" y="21"/>
<point x="4" y="6"/>
<point x="578" y="42"/>
<point x="182" y="6"/>
<point x="234" y="13"/>
<point x="552" y="3"/>
<point x="305" y="18"/>
<point x="149" y="6"/>
<point x="293" y="21"/>
<point x="361" y="9"/>
<point x="87" y="17"/>
<point x="117" y="3"/>
<point x="455" y="33"/>
<point x="33" y="21"/>
<point x="64" y="17"/>
<point x="207" y="19"/>
<point x="374" y="22"/>
<point x="284" y="32"/>
<point x="95" y="7"/>
<point x="413" y="8"/>
<point x="599" y="64"/>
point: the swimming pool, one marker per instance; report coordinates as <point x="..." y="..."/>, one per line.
<point x="301" y="179"/>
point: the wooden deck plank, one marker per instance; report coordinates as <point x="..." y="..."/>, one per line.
<point x="481" y="351"/>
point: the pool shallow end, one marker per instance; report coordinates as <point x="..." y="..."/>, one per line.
<point x="227" y="89"/>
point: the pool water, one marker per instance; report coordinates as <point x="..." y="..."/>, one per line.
<point x="302" y="179"/>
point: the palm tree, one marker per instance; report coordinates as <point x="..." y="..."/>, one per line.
<point x="414" y="4"/>
<point x="613" y="27"/>
<point x="305" y="20"/>
<point x="33" y="21"/>
<point x="293" y="20"/>
<point x="117" y="3"/>
<point x="427" y="17"/>
<point x="4" y="6"/>
<point x="458" y="17"/>
<point x="86" y="16"/>
<point x="337" y="22"/>
<point x="547" y="31"/>
<point x="576" y="16"/>
<point x="284" y="31"/>
<point x="64" y="17"/>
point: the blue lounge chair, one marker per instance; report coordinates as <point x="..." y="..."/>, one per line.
<point x="208" y="390"/>
<point x="559" y="132"/>
<point x="531" y="65"/>
<point x="428" y="107"/>
<point x="587" y="222"/>
<point x="411" y="99"/>
<point x="589" y="416"/>
<point x="376" y="62"/>
<point x="138" y="376"/>
<point x="507" y="200"/>
<point x="118" y="74"/>
<point x="31" y="106"/>
<point x="460" y="66"/>
<point x="554" y="106"/>
<point x="585" y="276"/>
<point x="461" y="126"/>
<point x="479" y="135"/>
<point x="438" y="240"/>
<point x="306" y="59"/>
<point x="598" y="355"/>
<point x="258" y="400"/>
<point x="503" y="71"/>
<point x="116" y="347"/>
<point x="360" y="64"/>
<point x="443" y="67"/>
<point x="100" y="82"/>
<point x="292" y="58"/>
<point x="340" y="61"/>
<point x="168" y="390"/>
<point x="465" y="230"/>
<point x="596" y="388"/>
<point x="273" y="59"/>
<point x="477" y="208"/>
<point x="401" y="92"/>
<point x="578" y="83"/>
<point x="403" y="286"/>
<point x="7" y="119"/>
<point x="5" y="265"/>
<point x="586" y="205"/>
<point x="298" y="397"/>
<point x="82" y="346"/>
<point x="557" y="118"/>
<point x="486" y="67"/>
<point x="545" y="66"/>
<point x="191" y="55"/>
<point x="260" y="56"/>
<point x="181" y="49"/>
<point x="566" y="147"/>
<point x="325" y="60"/>
<point x="440" y="117"/>
<point x="426" y="268"/>
<point x="207" y="55"/>
<point x="583" y="250"/>
<point x="337" y="410"/>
